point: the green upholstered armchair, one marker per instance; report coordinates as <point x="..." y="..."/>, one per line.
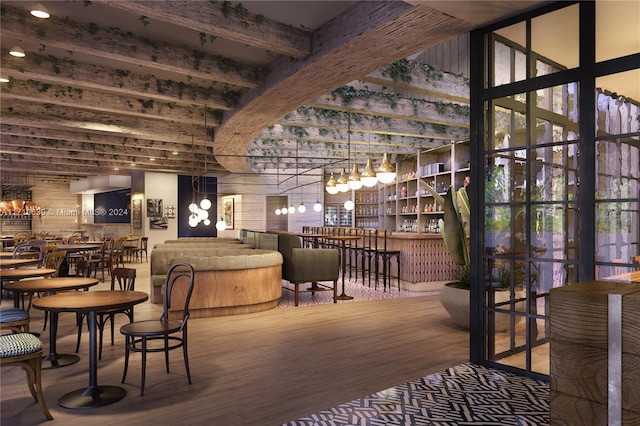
<point x="308" y="265"/>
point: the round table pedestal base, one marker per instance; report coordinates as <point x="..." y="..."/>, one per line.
<point x="344" y="297"/>
<point x="58" y="360"/>
<point x="92" y="397"/>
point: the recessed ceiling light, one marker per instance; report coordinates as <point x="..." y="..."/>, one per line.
<point x="133" y="164"/>
<point x="40" y="11"/>
<point x="152" y="159"/>
<point x="175" y="152"/>
<point x="4" y="80"/>
<point x="17" y="52"/>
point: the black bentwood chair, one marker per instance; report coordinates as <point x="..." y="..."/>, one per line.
<point x="138" y="334"/>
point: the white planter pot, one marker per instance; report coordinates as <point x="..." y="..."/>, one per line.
<point x="456" y="302"/>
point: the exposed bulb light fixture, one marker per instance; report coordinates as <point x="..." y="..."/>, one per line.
<point x="343" y="182"/>
<point x="292" y="209"/>
<point x="302" y="208"/>
<point x="386" y="172"/>
<point x="17" y="52"/>
<point x="284" y="210"/>
<point x="40" y="11"/>
<point x="221" y="225"/>
<point x="317" y="207"/>
<point x="205" y="203"/>
<point x="368" y="175"/>
<point x="331" y="186"/>
<point x="348" y="205"/>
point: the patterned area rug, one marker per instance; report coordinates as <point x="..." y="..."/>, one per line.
<point x="466" y="394"/>
<point x="353" y="288"/>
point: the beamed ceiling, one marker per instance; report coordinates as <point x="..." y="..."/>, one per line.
<point x="180" y="86"/>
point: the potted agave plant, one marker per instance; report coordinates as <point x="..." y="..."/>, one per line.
<point x="454" y="226"/>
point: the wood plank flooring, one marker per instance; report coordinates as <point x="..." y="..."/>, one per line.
<point x="256" y="369"/>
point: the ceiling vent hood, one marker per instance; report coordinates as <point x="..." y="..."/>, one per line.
<point x="98" y="184"/>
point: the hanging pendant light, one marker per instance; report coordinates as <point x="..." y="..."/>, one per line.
<point x="354" y="178"/>
<point x="386" y="172"/>
<point x="348" y="205"/>
<point x="355" y="181"/>
<point x="368" y="175"/>
<point x="343" y="182"/>
<point x="332" y="185"/>
<point x="277" y="212"/>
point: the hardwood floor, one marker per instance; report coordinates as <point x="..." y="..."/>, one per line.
<point x="256" y="369"/>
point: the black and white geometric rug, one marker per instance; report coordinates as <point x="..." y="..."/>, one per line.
<point x="466" y="394"/>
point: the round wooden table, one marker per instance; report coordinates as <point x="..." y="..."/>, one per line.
<point x="344" y="239"/>
<point x="52" y="285"/>
<point x="88" y="302"/>
<point x="17" y="263"/>
<point x="18" y="274"/>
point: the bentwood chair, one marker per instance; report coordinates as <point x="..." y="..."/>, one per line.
<point x="144" y="242"/>
<point x="25" y="350"/>
<point x="121" y="279"/>
<point x="178" y="284"/>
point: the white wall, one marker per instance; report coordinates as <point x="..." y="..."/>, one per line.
<point x="165" y="187"/>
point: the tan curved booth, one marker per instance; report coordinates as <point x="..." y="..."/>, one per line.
<point x="229" y="280"/>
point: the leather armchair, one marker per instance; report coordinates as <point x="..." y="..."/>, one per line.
<point x="308" y="265"/>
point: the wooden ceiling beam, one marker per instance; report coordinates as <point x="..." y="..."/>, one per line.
<point x="391" y="126"/>
<point x="90" y="100"/>
<point x="154" y="147"/>
<point x="424" y="80"/>
<point x="30" y="143"/>
<point x="65" y="72"/>
<point x="395" y="107"/>
<point x="114" y="45"/>
<point x="367" y="36"/>
<point x="231" y="24"/>
<point x="63" y="118"/>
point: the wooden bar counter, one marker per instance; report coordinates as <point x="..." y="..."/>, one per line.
<point x="424" y="257"/>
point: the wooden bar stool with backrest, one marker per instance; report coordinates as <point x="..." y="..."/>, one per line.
<point x="179" y="282"/>
<point x="25" y="350"/>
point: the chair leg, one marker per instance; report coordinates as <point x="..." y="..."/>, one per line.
<point x="33" y="368"/>
<point x="144" y="364"/>
<point x="335" y="291"/>
<point x="185" y="353"/>
<point x="127" y="342"/>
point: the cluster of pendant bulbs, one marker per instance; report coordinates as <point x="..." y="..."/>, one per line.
<point x="200" y="212"/>
<point x="317" y="207"/>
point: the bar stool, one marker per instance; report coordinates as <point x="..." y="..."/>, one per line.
<point x="369" y="254"/>
<point x="385" y="257"/>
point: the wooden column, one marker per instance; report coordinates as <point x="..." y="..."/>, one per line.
<point x="595" y="354"/>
